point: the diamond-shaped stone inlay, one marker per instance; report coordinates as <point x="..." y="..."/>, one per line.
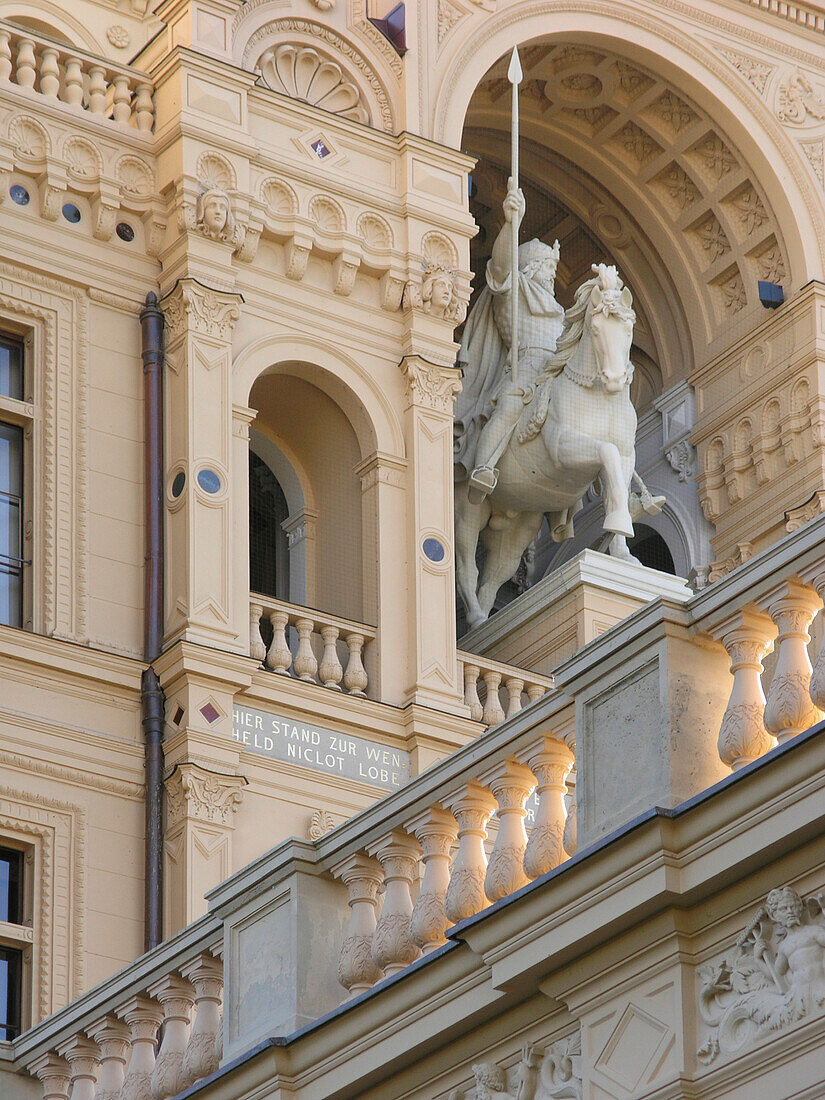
<point x="321" y="149"/>
<point x="635" y="1042"/>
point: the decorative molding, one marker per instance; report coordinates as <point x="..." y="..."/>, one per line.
<point x="335" y="45"/>
<point x="320" y="824"/>
<point x="194" y="308"/>
<point x="286" y="69"/>
<point x="196" y="794"/>
<point x="431" y="385"/>
<point x="754" y="71"/>
<point x="768" y="981"/>
<point x="82" y="777"/>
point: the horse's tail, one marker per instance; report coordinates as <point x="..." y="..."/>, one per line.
<point x="539" y="414"/>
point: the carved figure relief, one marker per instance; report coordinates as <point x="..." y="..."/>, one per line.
<point x="797" y="98"/>
<point x="438" y="293"/>
<point x="551" y="1074"/>
<point x="774" y="977"/>
<point x="214" y="217"/>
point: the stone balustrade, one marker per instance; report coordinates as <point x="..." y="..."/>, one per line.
<point x="105" y="1046"/>
<point x="297" y="641"/>
<point x="494" y="691"/>
<point x="80" y="81"/>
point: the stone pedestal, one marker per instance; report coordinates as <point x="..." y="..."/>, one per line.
<point x="569" y="608"/>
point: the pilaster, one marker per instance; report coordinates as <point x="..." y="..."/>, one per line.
<point x="201" y="553"/>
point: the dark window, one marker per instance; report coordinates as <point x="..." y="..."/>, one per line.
<point x="11" y="368"/>
<point x="651" y="549"/>
<point x="268" y="546"/>
<point x="11" y="885"/>
<point x="11" y="970"/>
<point x="11" y="525"/>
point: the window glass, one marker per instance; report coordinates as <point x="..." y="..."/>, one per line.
<point x="11" y="368"/>
<point x="10" y="975"/>
<point x="11" y="526"/>
<point x="11" y="885"/>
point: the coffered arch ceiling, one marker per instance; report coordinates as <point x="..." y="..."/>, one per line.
<point x="629" y="166"/>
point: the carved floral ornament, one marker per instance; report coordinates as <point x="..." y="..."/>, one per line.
<point x="773" y="978"/>
<point x="191" y="306"/>
<point x="194" y="792"/>
<point x="431" y="385"/>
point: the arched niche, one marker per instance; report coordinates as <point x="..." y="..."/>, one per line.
<point x="53" y="21"/>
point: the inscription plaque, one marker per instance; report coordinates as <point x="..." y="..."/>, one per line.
<point x="321" y="749"/>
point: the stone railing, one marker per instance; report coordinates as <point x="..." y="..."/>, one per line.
<point x="104" y="1046"/>
<point x="321" y="649"/>
<point x="494" y="691"/>
<point x="62" y="74"/>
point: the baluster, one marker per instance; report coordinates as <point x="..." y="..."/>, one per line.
<point x="279" y="655"/>
<point x="217" y="950"/>
<point x="436" y="831"/>
<point x="357" y="970"/>
<point x="144" y="1017"/>
<point x="144" y="107"/>
<point x="97" y="90"/>
<point x="121" y="99"/>
<point x="514" y="687"/>
<point x="330" y="670"/>
<point x="788" y="708"/>
<point x="26" y="69"/>
<point x="83" y="1057"/>
<point x="472" y="807"/>
<point x="54" y="1075"/>
<point x="392" y="945"/>
<point x="200" y="1058"/>
<point x="570" y="838"/>
<point x="511" y="783"/>
<point x="493" y="711"/>
<point x="535" y="691"/>
<point x="305" y="665"/>
<point x="743" y="737"/>
<point x="113" y="1038"/>
<point x="177" y="996"/>
<point x="471" y="699"/>
<point x="817" y="686"/>
<point x="355" y="678"/>
<point x="74" y="82"/>
<point x="5" y="54"/>
<point x="549" y="761"/>
<point x="49" y="72"/>
<point x="257" y="649"/>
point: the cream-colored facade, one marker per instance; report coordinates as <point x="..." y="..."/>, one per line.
<point x="346" y="780"/>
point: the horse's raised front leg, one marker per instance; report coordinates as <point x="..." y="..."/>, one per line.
<point x="577" y="450"/>
<point x="469" y="520"/>
<point x="505" y="540"/>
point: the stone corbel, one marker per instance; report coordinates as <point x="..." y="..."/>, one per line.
<point x="392" y="290"/>
<point x="154" y="230"/>
<point x="344" y="270"/>
<point x="105" y="209"/>
<point x="298" y="249"/>
<point x="52" y="185"/>
<point x="193" y="793"/>
<point x="300" y="527"/>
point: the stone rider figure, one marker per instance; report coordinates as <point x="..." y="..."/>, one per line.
<point x="490" y="404"/>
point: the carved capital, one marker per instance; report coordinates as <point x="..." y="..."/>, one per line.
<point x="195" y="793"/>
<point x="429" y="385"/>
<point x="192" y="307"/>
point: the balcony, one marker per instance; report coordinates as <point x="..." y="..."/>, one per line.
<point x="685" y="681"/>
<point x="63" y="76"/>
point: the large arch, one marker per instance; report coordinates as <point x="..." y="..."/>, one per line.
<point x="682" y="60"/>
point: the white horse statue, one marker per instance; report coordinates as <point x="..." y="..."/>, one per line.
<point x="578" y="426"/>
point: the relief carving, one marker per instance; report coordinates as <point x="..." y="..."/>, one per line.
<point x="797" y="99"/>
<point x="551" y="1074"/>
<point x="438" y="293"/>
<point x="774" y="977"/>
<point x="193" y="792"/>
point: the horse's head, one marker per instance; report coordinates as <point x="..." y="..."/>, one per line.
<point x="610" y="318"/>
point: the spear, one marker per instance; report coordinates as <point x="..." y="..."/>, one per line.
<point x="514" y="75"/>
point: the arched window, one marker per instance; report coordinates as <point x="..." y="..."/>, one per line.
<point x="268" y="546"/>
<point x="648" y="547"/>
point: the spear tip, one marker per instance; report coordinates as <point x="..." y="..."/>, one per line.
<point x="514" y="73"/>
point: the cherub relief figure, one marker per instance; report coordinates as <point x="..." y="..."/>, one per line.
<point x="774" y="977"/>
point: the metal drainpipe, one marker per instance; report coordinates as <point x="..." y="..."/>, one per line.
<point x="152" y="699"/>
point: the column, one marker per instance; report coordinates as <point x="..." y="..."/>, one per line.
<point x="113" y="1039"/>
<point x="205" y="973"/>
<point x="54" y="1074"/>
<point x="357" y="970"/>
<point x="83" y="1056"/>
<point x="201" y="448"/>
<point x="436" y="831"/>
<point x="144" y="1017"/>
<point x="747" y="637"/>
<point x="176" y="996"/>
<point x="428" y="430"/>
<point x="472" y="807"/>
<point x="510" y="783"/>
<point x="789" y="709"/>
<point x="550" y="761"/>
<point x="393" y="947"/>
<point x="201" y="808"/>
<point x="242" y="417"/>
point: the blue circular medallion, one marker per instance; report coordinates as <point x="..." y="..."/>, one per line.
<point x="71" y="213"/>
<point x="433" y="549"/>
<point x="209" y="481"/>
<point x="19" y="194"/>
<point x="125" y="231"/>
<point x="178" y="484"/>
